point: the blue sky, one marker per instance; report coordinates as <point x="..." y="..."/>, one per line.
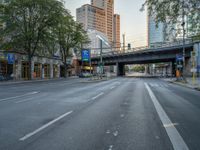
<point x="133" y="22"/>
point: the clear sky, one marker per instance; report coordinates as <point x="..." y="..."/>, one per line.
<point x="133" y="22"/>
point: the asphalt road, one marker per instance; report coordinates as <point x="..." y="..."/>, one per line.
<point x="118" y="114"/>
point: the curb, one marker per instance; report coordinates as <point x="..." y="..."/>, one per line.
<point x="32" y="81"/>
<point x="93" y="81"/>
<point x="185" y="85"/>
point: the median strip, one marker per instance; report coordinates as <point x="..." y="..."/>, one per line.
<point x="174" y="136"/>
<point x="44" y="126"/>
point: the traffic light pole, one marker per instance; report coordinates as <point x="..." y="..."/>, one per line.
<point x="101" y="58"/>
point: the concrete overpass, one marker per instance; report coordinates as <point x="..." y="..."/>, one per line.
<point x="145" y="55"/>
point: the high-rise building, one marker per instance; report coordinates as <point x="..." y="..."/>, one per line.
<point x="156" y="34"/>
<point x="91" y="17"/>
<point x="108" y="6"/>
<point x="116" y="31"/>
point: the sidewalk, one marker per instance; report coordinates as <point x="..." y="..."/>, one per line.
<point x="95" y="79"/>
<point x="10" y="82"/>
<point x="189" y="83"/>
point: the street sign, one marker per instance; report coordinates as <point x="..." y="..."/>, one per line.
<point x="179" y="57"/>
<point x="11" y="58"/>
<point x="194" y="54"/>
<point x="85" y="55"/>
<point x="179" y="66"/>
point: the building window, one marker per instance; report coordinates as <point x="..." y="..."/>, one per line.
<point x="46" y="71"/>
<point x="25" y="70"/>
<point x="37" y="70"/>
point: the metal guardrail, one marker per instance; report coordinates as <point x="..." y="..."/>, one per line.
<point x="145" y="48"/>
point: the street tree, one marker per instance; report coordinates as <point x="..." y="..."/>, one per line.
<point x="70" y="36"/>
<point x="29" y="25"/>
<point x="174" y="12"/>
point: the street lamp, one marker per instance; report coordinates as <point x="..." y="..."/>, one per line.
<point x="101" y="51"/>
<point x="183" y="26"/>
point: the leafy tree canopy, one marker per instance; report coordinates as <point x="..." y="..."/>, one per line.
<point x="172" y="12"/>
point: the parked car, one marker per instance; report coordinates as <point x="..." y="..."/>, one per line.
<point x="2" y="78"/>
<point x="6" y="77"/>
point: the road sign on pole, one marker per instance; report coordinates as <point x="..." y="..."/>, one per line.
<point x="85" y="55"/>
<point x="179" y="57"/>
<point x="11" y="58"/>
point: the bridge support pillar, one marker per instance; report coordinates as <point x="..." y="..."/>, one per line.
<point x="120" y="69"/>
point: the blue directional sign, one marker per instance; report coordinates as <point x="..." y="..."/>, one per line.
<point x="179" y="57"/>
<point x="85" y="55"/>
<point x="11" y="58"/>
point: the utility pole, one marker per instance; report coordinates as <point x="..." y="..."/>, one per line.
<point x="124" y="42"/>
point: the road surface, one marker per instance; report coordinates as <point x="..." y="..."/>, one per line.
<point x="118" y="114"/>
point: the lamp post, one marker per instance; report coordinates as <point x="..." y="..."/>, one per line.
<point x="183" y="26"/>
<point x="101" y="52"/>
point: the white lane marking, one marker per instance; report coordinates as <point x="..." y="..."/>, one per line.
<point x="174" y="136"/>
<point x="112" y="87"/>
<point x="110" y="147"/>
<point x="27" y="94"/>
<point x="122" y="115"/>
<point x="44" y="126"/>
<point x="25" y="100"/>
<point x="29" y="99"/>
<point x="115" y="133"/>
<point x="170" y="125"/>
<point x="108" y="132"/>
<point x="97" y="96"/>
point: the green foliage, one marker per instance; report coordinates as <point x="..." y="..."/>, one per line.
<point x="172" y="11"/>
<point x="39" y="27"/>
<point x="138" y="68"/>
<point x="28" y="24"/>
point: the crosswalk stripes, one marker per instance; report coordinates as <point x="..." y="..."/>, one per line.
<point x="158" y="85"/>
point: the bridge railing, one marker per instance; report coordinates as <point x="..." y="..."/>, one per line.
<point x="144" y="48"/>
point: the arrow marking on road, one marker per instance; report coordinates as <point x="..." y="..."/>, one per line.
<point x="44" y="126"/>
<point x="174" y="136"/>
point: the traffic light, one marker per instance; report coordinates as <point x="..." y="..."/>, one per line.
<point x="129" y="46"/>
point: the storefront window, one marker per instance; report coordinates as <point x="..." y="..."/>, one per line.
<point x="6" y="70"/>
<point x="46" y="70"/>
<point x="37" y="70"/>
<point x="3" y="68"/>
<point x="25" y="69"/>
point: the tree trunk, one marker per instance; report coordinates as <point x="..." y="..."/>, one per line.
<point x="29" y="67"/>
<point x="65" y="62"/>
<point x="65" y="68"/>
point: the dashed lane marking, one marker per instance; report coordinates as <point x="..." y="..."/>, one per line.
<point x="98" y="96"/>
<point x="19" y="96"/>
<point x="44" y="126"/>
